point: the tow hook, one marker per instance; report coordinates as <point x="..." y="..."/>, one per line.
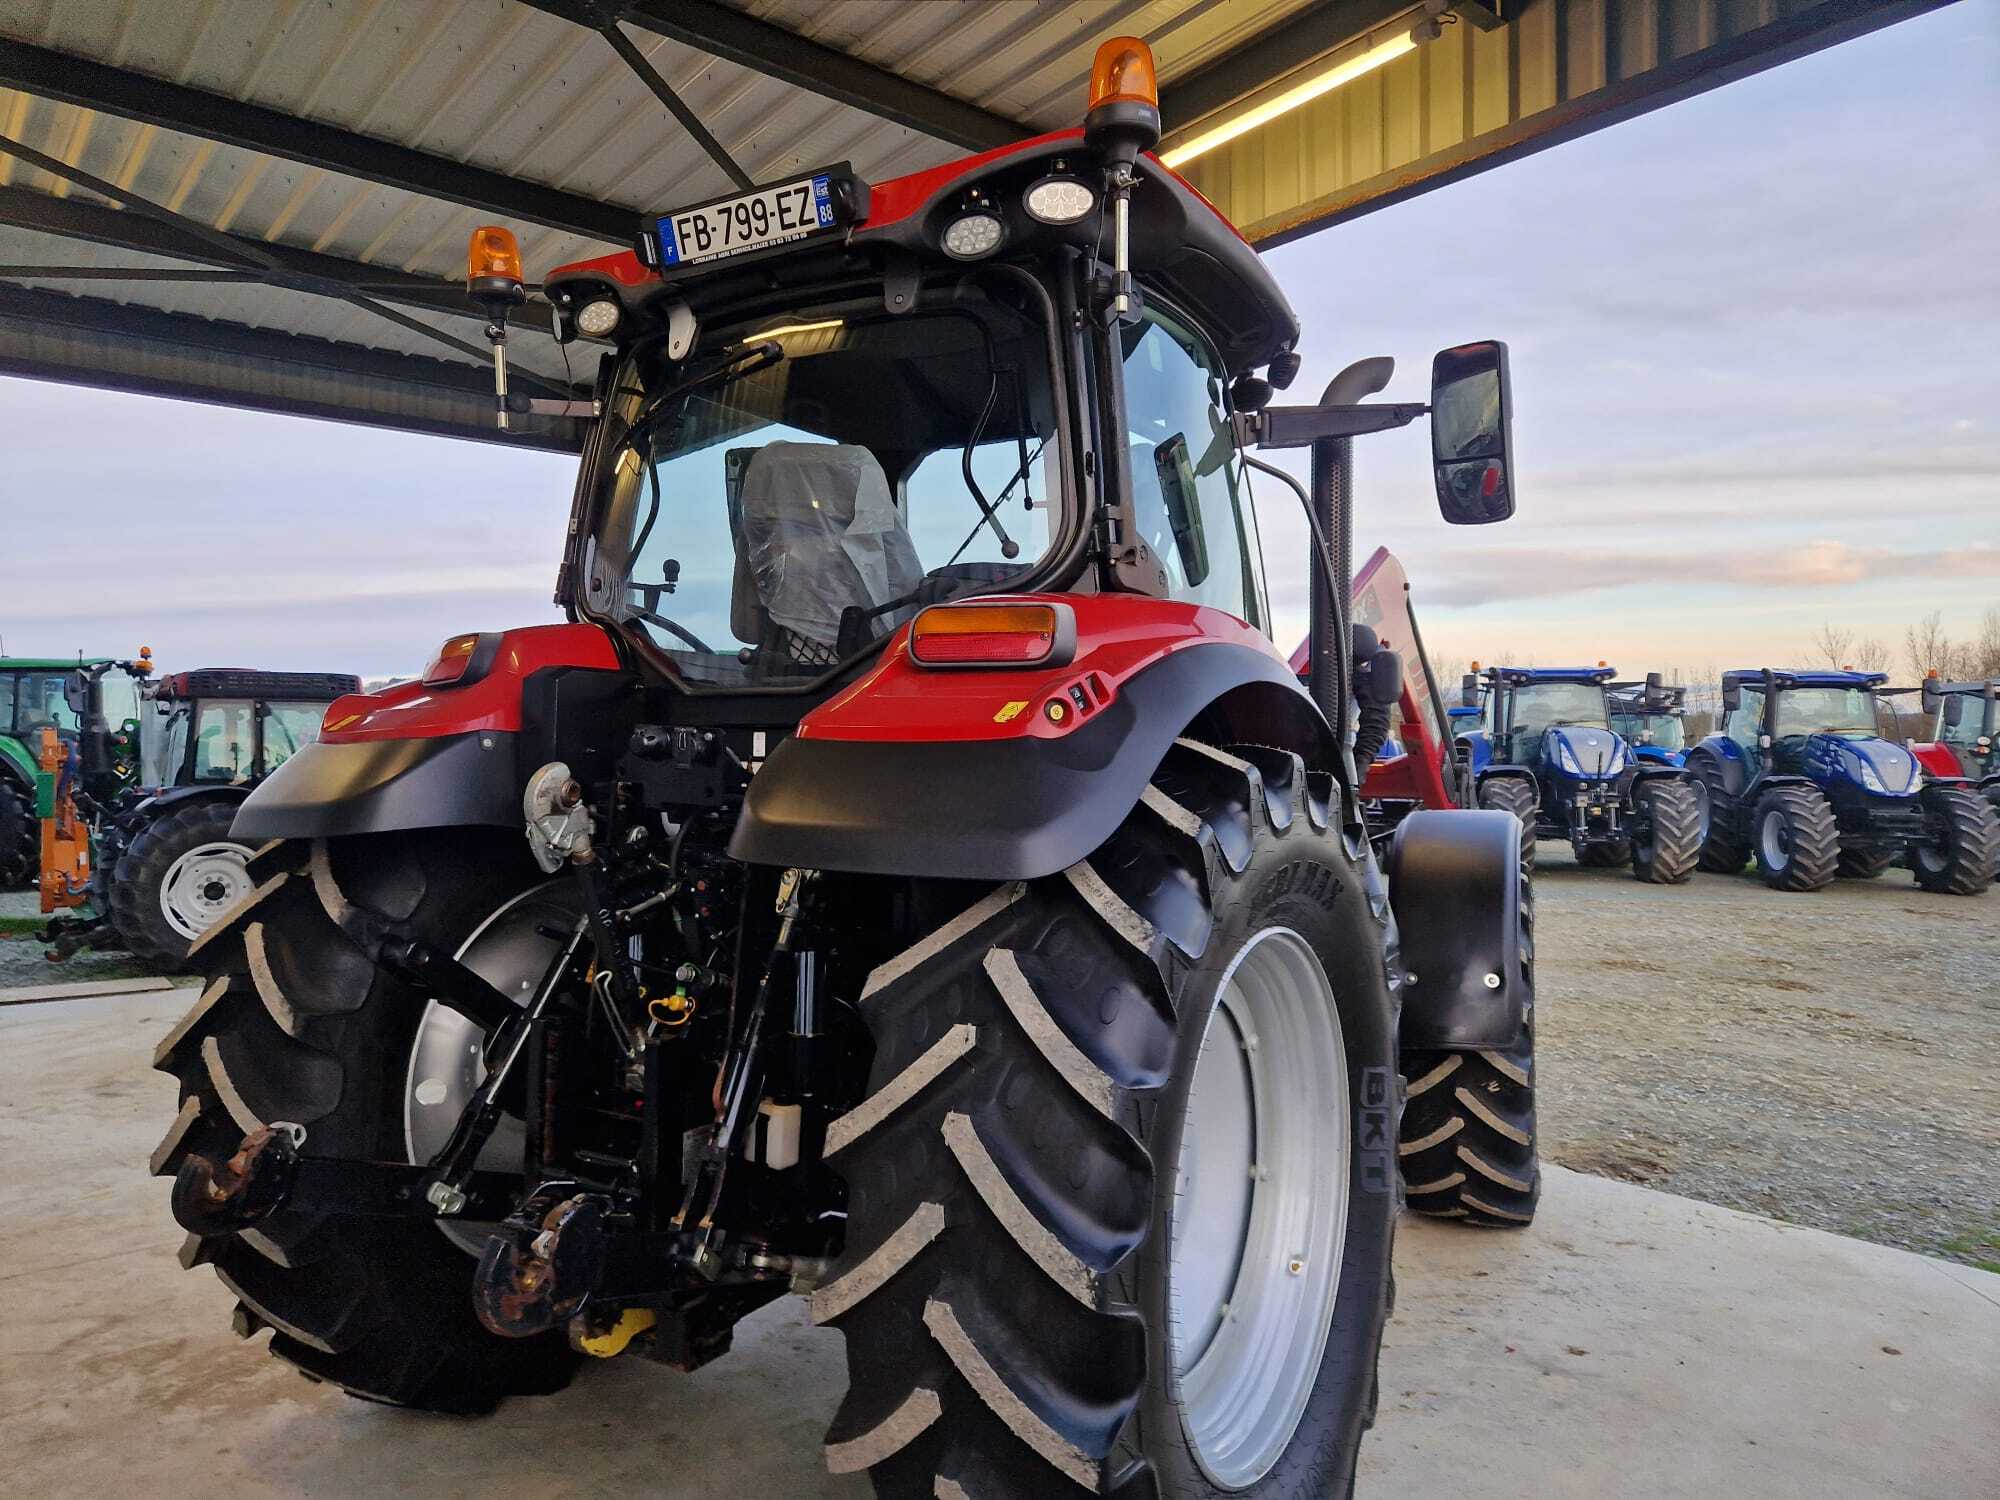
<point x="540" y="1269"/>
<point x="212" y="1197"/>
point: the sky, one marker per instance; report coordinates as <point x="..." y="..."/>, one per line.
<point x="1755" y="346"/>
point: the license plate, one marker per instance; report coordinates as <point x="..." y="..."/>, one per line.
<point x="749" y="221"/>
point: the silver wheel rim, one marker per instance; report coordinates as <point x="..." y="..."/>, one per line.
<point x="1774" y="841"/>
<point x="510" y="952"/>
<point x="1700" y="790"/>
<point x="203" y="884"/>
<point x="1260" y="1209"/>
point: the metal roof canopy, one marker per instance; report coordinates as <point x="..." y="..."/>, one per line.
<point x="225" y="183"/>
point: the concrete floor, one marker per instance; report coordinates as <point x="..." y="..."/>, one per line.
<point x="1632" y="1344"/>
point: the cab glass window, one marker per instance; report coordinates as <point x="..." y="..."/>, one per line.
<point x="288" y="729"/>
<point x="1745" y="720"/>
<point x="1185" y="489"/>
<point x="6" y="704"/>
<point x="225" y="740"/>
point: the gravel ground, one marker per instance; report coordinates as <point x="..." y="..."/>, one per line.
<point x="22" y="963"/>
<point x="1827" y="1059"/>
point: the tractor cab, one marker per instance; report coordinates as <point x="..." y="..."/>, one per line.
<point x="36" y="694"/>
<point x="1806" y="773"/>
<point x="1544" y="749"/>
<point x="1965" y="730"/>
<point x="1547" y="719"/>
<point x="232" y="726"/>
<point x="1826" y="725"/>
<point x="1651" y="718"/>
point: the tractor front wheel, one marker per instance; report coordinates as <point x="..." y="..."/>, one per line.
<point x="1670" y="813"/>
<point x="20" y="835"/>
<point x="1798" y="842"/>
<point x="1959" y="859"/>
<point x="1121" y="1200"/>
<point x="1514" y="794"/>
<point x="176" y="879"/>
<point x="297" y="1024"/>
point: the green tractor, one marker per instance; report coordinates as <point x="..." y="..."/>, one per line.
<point x="165" y="864"/>
<point x="38" y="693"/>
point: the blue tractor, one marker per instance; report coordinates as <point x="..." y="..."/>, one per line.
<point x="1802" y="777"/>
<point x="1651" y="718"/>
<point x="1544" y="750"/>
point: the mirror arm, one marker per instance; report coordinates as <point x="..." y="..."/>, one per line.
<point x="1302" y="426"/>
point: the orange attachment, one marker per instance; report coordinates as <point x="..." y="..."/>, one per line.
<point x="1123" y="71"/>
<point x="65" y="835"/>
<point x="493" y="255"/>
<point x="948" y="635"/>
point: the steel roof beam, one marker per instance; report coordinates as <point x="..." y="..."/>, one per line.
<point x="252" y="127"/>
<point x="80" y="219"/>
<point x="743" y="39"/>
<point x="1283" y="49"/>
<point x="34" y="325"/>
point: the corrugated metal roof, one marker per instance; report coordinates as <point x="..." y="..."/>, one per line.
<point x="510" y="88"/>
<point x="514" y="95"/>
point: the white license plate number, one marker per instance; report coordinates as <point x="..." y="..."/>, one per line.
<point x="769" y="216"/>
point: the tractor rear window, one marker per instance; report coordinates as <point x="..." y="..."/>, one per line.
<point x="803" y="482"/>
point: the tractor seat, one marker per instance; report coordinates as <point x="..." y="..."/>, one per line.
<point x="820" y="535"/>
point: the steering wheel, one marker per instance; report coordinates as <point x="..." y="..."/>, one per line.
<point x="654" y="617"/>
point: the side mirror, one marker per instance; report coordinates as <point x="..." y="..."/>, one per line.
<point x="1732" y="696"/>
<point x="76" y="693"/>
<point x="1933" y="695"/>
<point x="1468" y="691"/>
<point x="1954" y="710"/>
<point x="1472" y="415"/>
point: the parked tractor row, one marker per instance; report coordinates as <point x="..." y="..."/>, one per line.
<point x="1798" y="778"/>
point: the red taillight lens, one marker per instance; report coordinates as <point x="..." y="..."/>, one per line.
<point x="451" y="661"/>
<point x="960" y="635"/>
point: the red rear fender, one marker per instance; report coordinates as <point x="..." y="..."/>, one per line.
<point x="412" y="711"/>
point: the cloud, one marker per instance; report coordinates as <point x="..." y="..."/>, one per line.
<point x="1486" y="575"/>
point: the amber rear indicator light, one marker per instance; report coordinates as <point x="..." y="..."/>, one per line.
<point x="452" y="662"/>
<point x="993" y="635"/>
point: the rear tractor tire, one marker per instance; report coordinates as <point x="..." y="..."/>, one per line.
<point x="1798" y="842"/>
<point x="1468" y="1147"/>
<point x="1093" y="1098"/>
<point x="1514" y="794"/>
<point x="1961" y="861"/>
<point x="20" y="835"/>
<point x="297" y="1024"/>
<point x="1667" y="854"/>
<point x="1724" y="849"/>
<point x="175" y="880"/>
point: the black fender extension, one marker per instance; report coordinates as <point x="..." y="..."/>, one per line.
<point x="1455" y="884"/>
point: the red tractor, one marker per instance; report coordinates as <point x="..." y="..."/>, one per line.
<point x="913" y="878"/>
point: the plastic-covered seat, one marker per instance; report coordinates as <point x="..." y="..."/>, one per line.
<point x="820" y="535"/>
